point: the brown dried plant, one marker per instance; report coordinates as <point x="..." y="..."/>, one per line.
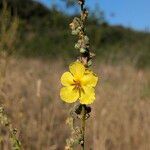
<point x="8" y="32"/>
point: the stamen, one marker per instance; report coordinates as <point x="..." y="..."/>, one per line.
<point x="78" y="87"/>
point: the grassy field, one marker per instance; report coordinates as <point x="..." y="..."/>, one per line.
<point x="119" y="119"/>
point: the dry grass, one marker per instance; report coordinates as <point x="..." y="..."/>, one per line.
<point x="119" y="119"/>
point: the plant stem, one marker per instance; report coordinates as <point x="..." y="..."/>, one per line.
<point x="83" y="126"/>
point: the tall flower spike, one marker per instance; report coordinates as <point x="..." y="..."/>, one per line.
<point x="79" y="82"/>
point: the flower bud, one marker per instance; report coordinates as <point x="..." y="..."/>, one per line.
<point x="74" y="32"/>
<point x="82" y="50"/>
<point x="89" y="63"/>
<point x="86" y="38"/>
<point x="77" y="46"/>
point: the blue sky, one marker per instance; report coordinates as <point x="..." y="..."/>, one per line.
<point x="129" y="13"/>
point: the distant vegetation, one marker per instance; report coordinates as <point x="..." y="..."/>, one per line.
<point x="45" y="33"/>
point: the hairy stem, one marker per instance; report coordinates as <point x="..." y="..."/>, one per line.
<point x="83" y="121"/>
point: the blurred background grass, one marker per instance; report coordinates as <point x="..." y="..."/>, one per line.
<point x="42" y="48"/>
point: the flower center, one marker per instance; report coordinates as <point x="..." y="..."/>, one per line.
<point x="77" y="85"/>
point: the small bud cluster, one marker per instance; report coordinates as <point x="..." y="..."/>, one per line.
<point x="76" y="132"/>
<point x="80" y="111"/>
<point x="83" y="44"/>
<point x="76" y="135"/>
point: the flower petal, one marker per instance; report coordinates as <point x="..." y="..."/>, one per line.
<point x="88" y="96"/>
<point x="89" y="79"/>
<point x="67" y="79"/>
<point x="77" y="69"/>
<point x="68" y="94"/>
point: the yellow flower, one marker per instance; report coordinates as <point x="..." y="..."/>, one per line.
<point x="79" y="84"/>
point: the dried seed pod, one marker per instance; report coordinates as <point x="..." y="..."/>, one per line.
<point x="88" y="109"/>
<point x="78" y="109"/>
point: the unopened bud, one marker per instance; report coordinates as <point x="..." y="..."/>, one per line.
<point x="77" y="46"/>
<point x="82" y="50"/>
<point x="74" y="32"/>
<point x="90" y="63"/>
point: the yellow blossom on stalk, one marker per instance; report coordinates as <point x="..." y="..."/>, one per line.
<point x="79" y="84"/>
